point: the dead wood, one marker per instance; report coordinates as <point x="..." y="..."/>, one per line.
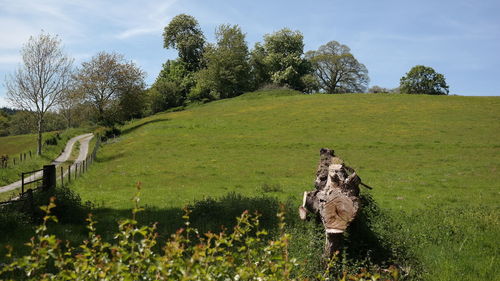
<point x="335" y="202"/>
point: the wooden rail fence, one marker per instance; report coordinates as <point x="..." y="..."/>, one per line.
<point x="47" y="178"/>
<point x="4" y="159"/>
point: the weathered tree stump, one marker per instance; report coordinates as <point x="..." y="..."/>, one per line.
<point x="335" y="202"/>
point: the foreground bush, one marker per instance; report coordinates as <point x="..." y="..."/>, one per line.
<point x="246" y="253"/>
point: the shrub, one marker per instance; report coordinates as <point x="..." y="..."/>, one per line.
<point x="246" y="253"/>
<point x="107" y="133"/>
<point x="69" y="209"/>
<point x="51" y="140"/>
<point x="11" y="221"/>
<point x="243" y="254"/>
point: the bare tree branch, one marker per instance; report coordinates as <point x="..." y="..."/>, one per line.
<point x="40" y="82"/>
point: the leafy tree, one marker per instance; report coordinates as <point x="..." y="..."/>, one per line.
<point x="111" y="84"/>
<point x="283" y="58"/>
<point x="184" y="34"/>
<point x="227" y="69"/>
<point x="337" y="70"/>
<point x="423" y="80"/>
<point x="54" y="122"/>
<point x="204" y="89"/>
<point x="132" y="103"/>
<point x="132" y="99"/>
<point x="22" y="122"/>
<point x="39" y="84"/>
<point x="310" y="84"/>
<point x="171" y="86"/>
<point x="259" y="69"/>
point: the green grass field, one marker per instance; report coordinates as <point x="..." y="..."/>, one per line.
<point x="13" y="145"/>
<point x="433" y="162"/>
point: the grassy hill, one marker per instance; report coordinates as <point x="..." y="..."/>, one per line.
<point x="416" y="150"/>
<point x="433" y="162"/>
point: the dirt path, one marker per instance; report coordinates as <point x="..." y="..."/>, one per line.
<point x="82" y="155"/>
<point x="63" y="157"/>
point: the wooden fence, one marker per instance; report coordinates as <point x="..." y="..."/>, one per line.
<point x="14" y="160"/>
<point x="47" y="178"/>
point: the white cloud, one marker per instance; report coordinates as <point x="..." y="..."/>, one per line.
<point x="74" y="19"/>
<point x="28" y="18"/>
<point x="146" y="20"/>
<point x="137" y="31"/>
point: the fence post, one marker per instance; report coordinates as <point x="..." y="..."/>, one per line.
<point x="30" y="155"/>
<point x="69" y="174"/>
<point x="22" y="183"/>
<point x="49" y="177"/>
<point x="20" y="157"/>
<point x="62" y="176"/>
<point x="14" y="159"/>
<point x="76" y="170"/>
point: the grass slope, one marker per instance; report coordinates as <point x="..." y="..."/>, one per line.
<point x="433" y="161"/>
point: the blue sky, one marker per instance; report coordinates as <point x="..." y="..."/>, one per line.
<point x="460" y="38"/>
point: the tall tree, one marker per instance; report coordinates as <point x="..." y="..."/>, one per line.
<point x="283" y="56"/>
<point x="184" y="34"/>
<point x="337" y="70"/>
<point x="40" y="82"/>
<point x="106" y="79"/>
<point x="171" y="86"/>
<point x="423" y="80"/>
<point x="260" y="73"/>
<point x="227" y="70"/>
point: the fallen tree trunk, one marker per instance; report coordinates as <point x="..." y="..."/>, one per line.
<point x="335" y="202"/>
